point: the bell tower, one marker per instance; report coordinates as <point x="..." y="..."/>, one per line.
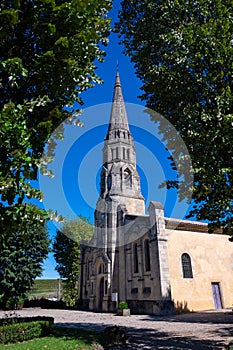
<point x="127" y="258"/>
<point x="120" y="195"/>
<point x="120" y="201"/>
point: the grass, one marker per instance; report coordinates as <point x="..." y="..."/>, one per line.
<point x="44" y="288"/>
<point x="61" y="339"/>
<point x="48" y="343"/>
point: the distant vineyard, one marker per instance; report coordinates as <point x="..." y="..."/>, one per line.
<point x="47" y="288"/>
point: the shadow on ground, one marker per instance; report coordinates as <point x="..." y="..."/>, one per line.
<point x="150" y="339"/>
<point x="194" y="317"/>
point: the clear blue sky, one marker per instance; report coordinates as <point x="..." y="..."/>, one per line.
<point x="74" y="189"/>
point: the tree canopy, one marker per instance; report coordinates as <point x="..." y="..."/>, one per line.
<point x="21" y="259"/>
<point x="48" y="49"/>
<point x="48" y="52"/>
<point x="66" y="249"/>
<point x="183" y="54"/>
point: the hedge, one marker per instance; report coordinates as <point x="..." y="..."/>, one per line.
<point x="20" y="331"/>
<point x="12" y="320"/>
<point x="45" y="303"/>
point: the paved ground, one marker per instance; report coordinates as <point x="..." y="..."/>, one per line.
<point x="199" y="331"/>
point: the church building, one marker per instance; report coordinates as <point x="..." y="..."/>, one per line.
<point x="158" y="265"/>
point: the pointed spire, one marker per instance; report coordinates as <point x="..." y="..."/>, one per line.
<point x="117" y="95"/>
<point x="119" y="175"/>
<point x="117" y="81"/>
<point x="118" y="118"/>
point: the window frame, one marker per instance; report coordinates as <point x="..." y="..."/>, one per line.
<point x="186" y="263"/>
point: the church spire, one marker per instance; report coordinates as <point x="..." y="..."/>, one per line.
<point x="118" y="119"/>
<point x="119" y="177"/>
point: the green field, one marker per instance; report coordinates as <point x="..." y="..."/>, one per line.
<point x="45" y="288"/>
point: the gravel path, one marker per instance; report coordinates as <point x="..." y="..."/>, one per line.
<point x="199" y="331"/>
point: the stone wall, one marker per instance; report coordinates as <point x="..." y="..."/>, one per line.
<point x="212" y="262"/>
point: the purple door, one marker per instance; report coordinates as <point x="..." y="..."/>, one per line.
<point x="216" y="295"/>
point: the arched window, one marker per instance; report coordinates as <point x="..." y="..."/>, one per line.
<point x="147" y="254"/>
<point x="127" y="178"/>
<point x="186" y="266"/>
<point x="109" y="181"/>
<point x="101" y="269"/>
<point x="135" y="257"/>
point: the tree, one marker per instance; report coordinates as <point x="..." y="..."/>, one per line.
<point x="183" y="53"/>
<point x="66" y="249"/>
<point x="48" y="50"/>
<point x="21" y="258"/>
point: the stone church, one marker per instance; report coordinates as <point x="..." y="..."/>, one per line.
<point x="156" y="264"/>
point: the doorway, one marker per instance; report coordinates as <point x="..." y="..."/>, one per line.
<point x="216" y="295"/>
<point x="101" y="293"/>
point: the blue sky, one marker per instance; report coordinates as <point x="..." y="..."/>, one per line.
<point x="77" y="164"/>
<point x="103" y="94"/>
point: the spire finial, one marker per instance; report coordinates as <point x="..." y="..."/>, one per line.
<point x="117" y="82"/>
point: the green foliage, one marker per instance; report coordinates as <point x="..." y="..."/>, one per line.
<point x="23" y="250"/>
<point x="183" y="53"/>
<point x="17" y="332"/>
<point x="122" y="305"/>
<point x="229" y="347"/>
<point x="62" y="338"/>
<point x="47" y="59"/>
<point x="51" y="343"/>
<point x="13" y="320"/>
<point x="66" y="248"/>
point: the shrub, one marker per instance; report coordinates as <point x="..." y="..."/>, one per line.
<point x="123" y="305"/>
<point x="229" y="346"/>
<point x="45" y="303"/>
<point x="12" y="320"/>
<point x="14" y="330"/>
<point x="115" y="335"/>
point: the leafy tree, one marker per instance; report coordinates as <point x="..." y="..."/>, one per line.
<point x="48" y="50"/>
<point x="21" y="258"/>
<point x="66" y="249"/>
<point x="183" y="53"/>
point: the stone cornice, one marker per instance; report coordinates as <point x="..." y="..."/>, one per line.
<point x="188" y="225"/>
